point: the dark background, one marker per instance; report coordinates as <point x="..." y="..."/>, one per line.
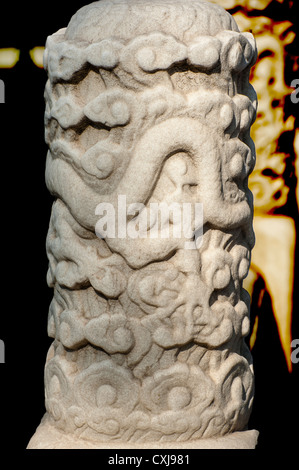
<point x="25" y="212"/>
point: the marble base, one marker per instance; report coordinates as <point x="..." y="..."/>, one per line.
<point x="48" y="437"/>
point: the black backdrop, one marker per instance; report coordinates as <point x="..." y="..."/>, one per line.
<point x="25" y="212"/>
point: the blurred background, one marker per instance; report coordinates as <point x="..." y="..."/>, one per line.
<point x="26" y="205"/>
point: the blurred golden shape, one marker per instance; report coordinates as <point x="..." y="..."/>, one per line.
<point x="273" y="255"/>
<point x="9" y="57"/>
<point x="246" y="4"/>
<point x="273" y="259"/>
<point x="267" y="179"/>
<point x="254" y="332"/>
<point x="37" y="56"/>
<point x="296" y="148"/>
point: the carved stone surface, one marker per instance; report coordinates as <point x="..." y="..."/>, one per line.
<point x="150" y="101"/>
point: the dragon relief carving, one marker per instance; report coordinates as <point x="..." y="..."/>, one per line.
<point x="148" y="335"/>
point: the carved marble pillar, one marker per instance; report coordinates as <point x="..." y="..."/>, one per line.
<point x="148" y="102"/>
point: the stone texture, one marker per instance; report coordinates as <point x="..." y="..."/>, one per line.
<point x="49" y="437"/>
<point x="149" y="101"/>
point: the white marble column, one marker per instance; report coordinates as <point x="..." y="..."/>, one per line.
<point x="148" y="115"/>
